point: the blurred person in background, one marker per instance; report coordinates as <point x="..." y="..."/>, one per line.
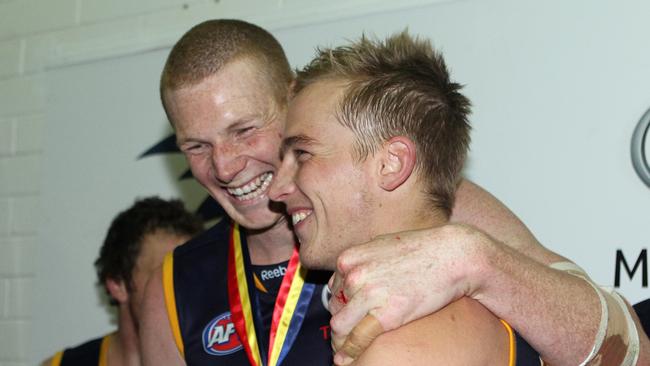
<point x="135" y="245"/>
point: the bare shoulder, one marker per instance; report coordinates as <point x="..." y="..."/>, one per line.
<point x="462" y="333"/>
<point x="156" y="336"/>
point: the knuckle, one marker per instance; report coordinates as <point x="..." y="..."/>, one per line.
<point x="355" y="278"/>
<point x="336" y="326"/>
<point x="373" y="292"/>
<point x="342" y="262"/>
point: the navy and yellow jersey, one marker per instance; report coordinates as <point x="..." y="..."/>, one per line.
<point x="521" y="353"/>
<point x="642" y="309"/>
<point x="196" y="294"/>
<point x="91" y="353"/>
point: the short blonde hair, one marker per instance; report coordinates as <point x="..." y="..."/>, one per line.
<point x="400" y="87"/>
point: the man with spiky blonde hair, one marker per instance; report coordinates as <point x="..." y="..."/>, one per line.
<point x="375" y="141"/>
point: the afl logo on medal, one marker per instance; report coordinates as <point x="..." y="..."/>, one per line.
<point x="640" y="148"/>
<point x="220" y="337"/>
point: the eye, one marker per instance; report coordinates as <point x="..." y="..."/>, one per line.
<point x="193" y="148"/>
<point x="301" y="155"/>
<point x="242" y="132"/>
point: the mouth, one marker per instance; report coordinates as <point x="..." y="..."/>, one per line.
<point x="299" y="216"/>
<point x="252" y="189"/>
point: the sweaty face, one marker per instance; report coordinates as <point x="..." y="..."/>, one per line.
<point x="326" y="190"/>
<point x="229" y="128"/>
<point x="154" y="247"/>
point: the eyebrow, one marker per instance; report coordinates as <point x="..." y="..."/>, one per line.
<point x="291" y="141"/>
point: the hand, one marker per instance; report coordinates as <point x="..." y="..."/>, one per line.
<point x="397" y="278"/>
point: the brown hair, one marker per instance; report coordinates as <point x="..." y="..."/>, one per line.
<point x="400" y="87"/>
<point x="123" y="243"/>
<point x="210" y="45"/>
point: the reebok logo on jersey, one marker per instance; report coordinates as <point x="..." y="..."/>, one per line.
<point x="220" y="337"/>
<point x="269" y="274"/>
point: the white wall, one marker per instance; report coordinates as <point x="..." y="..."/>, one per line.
<point x="557" y="89"/>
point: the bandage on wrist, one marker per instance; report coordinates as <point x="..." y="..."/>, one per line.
<point x="608" y="320"/>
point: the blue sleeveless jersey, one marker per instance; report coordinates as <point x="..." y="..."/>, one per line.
<point x="205" y="333"/>
<point x="196" y="293"/>
<point x="91" y="353"/>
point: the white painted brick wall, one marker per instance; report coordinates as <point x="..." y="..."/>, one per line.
<point x="4" y="224"/>
<point x="14" y="340"/>
<point x="19" y="298"/>
<point x="29" y="134"/>
<point x="32" y="16"/>
<point x="36" y="35"/>
<point x="6" y="137"/>
<point x="21" y="95"/>
<point x="92" y="11"/>
<point x="17" y="258"/>
<point x="25" y="215"/>
<point x="20" y="175"/>
<point x="10" y="55"/>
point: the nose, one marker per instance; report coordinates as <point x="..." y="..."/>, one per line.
<point x="283" y="184"/>
<point x="227" y="162"/>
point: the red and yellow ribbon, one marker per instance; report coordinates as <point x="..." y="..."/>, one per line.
<point x="290" y="307"/>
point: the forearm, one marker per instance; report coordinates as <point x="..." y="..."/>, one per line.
<point x="557" y="313"/>
<point x="477" y="207"/>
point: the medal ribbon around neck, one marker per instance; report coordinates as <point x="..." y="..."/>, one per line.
<point x="290" y="309"/>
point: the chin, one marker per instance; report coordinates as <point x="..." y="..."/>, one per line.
<point x="260" y="224"/>
<point x="259" y="220"/>
<point x="314" y="261"/>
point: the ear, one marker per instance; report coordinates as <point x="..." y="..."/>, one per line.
<point x="292" y="89"/>
<point x="398" y="157"/>
<point x="117" y="289"/>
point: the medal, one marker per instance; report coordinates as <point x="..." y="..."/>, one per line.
<point x="291" y="304"/>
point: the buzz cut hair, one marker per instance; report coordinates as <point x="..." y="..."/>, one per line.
<point x="400" y="87"/>
<point x="207" y="47"/>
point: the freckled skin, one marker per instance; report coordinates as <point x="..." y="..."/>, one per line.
<point x="228" y="135"/>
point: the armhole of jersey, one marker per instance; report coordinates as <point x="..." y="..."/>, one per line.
<point x="103" y="350"/>
<point x="170" y="301"/>
<point x="56" y="359"/>
<point x="512" y="353"/>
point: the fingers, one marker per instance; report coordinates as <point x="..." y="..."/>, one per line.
<point x="359" y="339"/>
<point x="345" y="287"/>
<point x="336" y="288"/>
<point x="348" y="318"/>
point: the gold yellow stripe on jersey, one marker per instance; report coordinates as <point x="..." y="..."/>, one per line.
<point x="170" y="301"/>
<point x="103" y="351"/>
<point x="56" y="360"/>
<point x="512" y="358"/>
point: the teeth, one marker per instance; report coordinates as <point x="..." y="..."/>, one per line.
<point x="252" y="189"/>
<point x="299" y="216"/>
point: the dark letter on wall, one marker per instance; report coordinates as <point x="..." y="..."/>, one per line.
<point x="641" y="260"/>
